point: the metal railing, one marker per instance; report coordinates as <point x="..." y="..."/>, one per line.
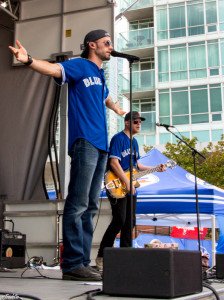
<point x="124" y="4"/>
<point x="135" y="39"/>
<point x="141" y="81"/>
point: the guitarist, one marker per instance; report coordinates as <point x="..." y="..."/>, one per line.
<point x="119" y="161"/>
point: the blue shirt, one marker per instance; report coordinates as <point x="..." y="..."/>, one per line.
<point x="87" y="92"/>
<point x="120" y="149"/>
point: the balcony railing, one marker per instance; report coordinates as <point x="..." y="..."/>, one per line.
<point x="135" y="39"/>
<point x="124" y="4"/>
<point x="141" y="81"/>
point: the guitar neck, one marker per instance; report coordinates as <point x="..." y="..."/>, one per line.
<point x="143" y="173"/>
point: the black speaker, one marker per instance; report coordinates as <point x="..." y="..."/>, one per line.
<point x="149" y="272"/>
<point x="12" y="249"/>
<point x="220" y="266"/>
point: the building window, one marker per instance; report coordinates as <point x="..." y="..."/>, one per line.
<point x="213" y="57"/>
<point x="216" y="135"/>
<point x="178" y="62"/>
<point x="147" y="108"/>
<point x="162" y="23"/>
<point x="180" y="107"/>
<point x="197" y="60"/>
<point x="195" y="17"/>
<point x="141" y="24"/>
<point x="216" y="100"/>
<point x="193" y="20"/>
<point x="221" y="15"/>
<point x="163" y="64"/>
<point x="199" y="104"/>
<point x="177" y="24"/>
<point x="211" y="15"/>
<point x="222" y="54"/>
<point x="202" y="135"/>
<point x="164" y="107"/>
<point x="173" y="65"/>
<point x="164" y="138"/>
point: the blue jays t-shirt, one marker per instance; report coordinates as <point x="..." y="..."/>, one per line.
<point x="87" y="92"/>
<point x="120" y="149"/>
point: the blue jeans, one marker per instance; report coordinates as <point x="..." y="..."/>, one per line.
<point x="87" y="169"/>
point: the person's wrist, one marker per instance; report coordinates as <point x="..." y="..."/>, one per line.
<point x="29" y="60"/>
<point x="116" y="109"/>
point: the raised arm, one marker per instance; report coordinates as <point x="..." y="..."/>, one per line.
<point x="161" y="167"/>
<point x="41" y="66"/>
<point x="114" y="106"/>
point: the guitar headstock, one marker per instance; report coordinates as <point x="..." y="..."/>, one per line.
<point x="170" y="164"/>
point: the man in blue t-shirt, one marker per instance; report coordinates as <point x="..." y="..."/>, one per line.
<point x="88" y="144"/>
<point x="119" y="162"/>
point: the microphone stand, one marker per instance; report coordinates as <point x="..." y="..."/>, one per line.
<point x="194" y="152"/>
<point x="131" y="60"/>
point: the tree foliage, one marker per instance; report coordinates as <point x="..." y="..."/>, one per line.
<point x="147" y="148"/>
<point x="209" y="169"/>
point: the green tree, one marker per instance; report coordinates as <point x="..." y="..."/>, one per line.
<point x="211" y="169"/>
<point x="182" y="154"/>
<point x="147" y="148"/>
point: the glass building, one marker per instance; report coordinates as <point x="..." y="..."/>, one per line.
<point x="179" y="79"/>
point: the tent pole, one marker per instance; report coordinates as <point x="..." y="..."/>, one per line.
<point x="213" y="240"/>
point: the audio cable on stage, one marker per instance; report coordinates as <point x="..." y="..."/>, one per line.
<point x="208" y="286"/>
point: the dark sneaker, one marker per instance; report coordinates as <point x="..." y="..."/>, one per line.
<point x="82" y="274"/>
<point x="93" y="269"/>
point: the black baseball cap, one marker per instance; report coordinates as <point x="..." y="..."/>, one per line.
<point x="92" y="36"/>
<point x="135" y="115"/>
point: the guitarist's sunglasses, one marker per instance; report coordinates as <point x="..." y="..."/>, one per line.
<point x="137" y="122"/>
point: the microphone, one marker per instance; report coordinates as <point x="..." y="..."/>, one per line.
<point x="124" y="55"/>
<point x="164" y="125"/>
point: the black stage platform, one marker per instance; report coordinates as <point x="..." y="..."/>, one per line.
<point x="47" y="285"/>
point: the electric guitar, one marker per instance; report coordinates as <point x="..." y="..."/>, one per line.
<point x="117" y="189"/>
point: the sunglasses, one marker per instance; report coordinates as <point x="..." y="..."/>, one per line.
<point x="106" y="43"/>
<point x="137" y="122"/>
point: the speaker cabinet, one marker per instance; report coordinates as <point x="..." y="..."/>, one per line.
<point x="220" y="266"/>
<point x="12" y="249"/>
<point x="148" y="272"/>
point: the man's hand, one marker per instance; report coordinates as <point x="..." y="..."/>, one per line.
<point x="118" y="109"/>
<point x="20" y="53"/>
<point x="41" y="66"/>
<point x="114" y="106"/>
<point x="129" y="189"/>
<point x="161" y="168"/>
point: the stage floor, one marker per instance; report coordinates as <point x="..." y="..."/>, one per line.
<point x="47" y="285"/>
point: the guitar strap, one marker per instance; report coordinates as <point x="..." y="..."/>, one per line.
<point x="135" y="158"/>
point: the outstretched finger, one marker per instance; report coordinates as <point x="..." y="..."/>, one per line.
<point x="13" y="50"/>
<point x="18" y="44"/>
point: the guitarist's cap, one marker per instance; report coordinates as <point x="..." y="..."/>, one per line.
<point x="135" y="115"/>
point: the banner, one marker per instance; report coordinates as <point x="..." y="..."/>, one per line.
<point x="188" y="232"/>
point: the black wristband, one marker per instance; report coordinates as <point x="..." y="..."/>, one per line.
<point x="30" y="60"/>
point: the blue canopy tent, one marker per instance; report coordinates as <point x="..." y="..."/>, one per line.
<point x="173" y="192"/>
